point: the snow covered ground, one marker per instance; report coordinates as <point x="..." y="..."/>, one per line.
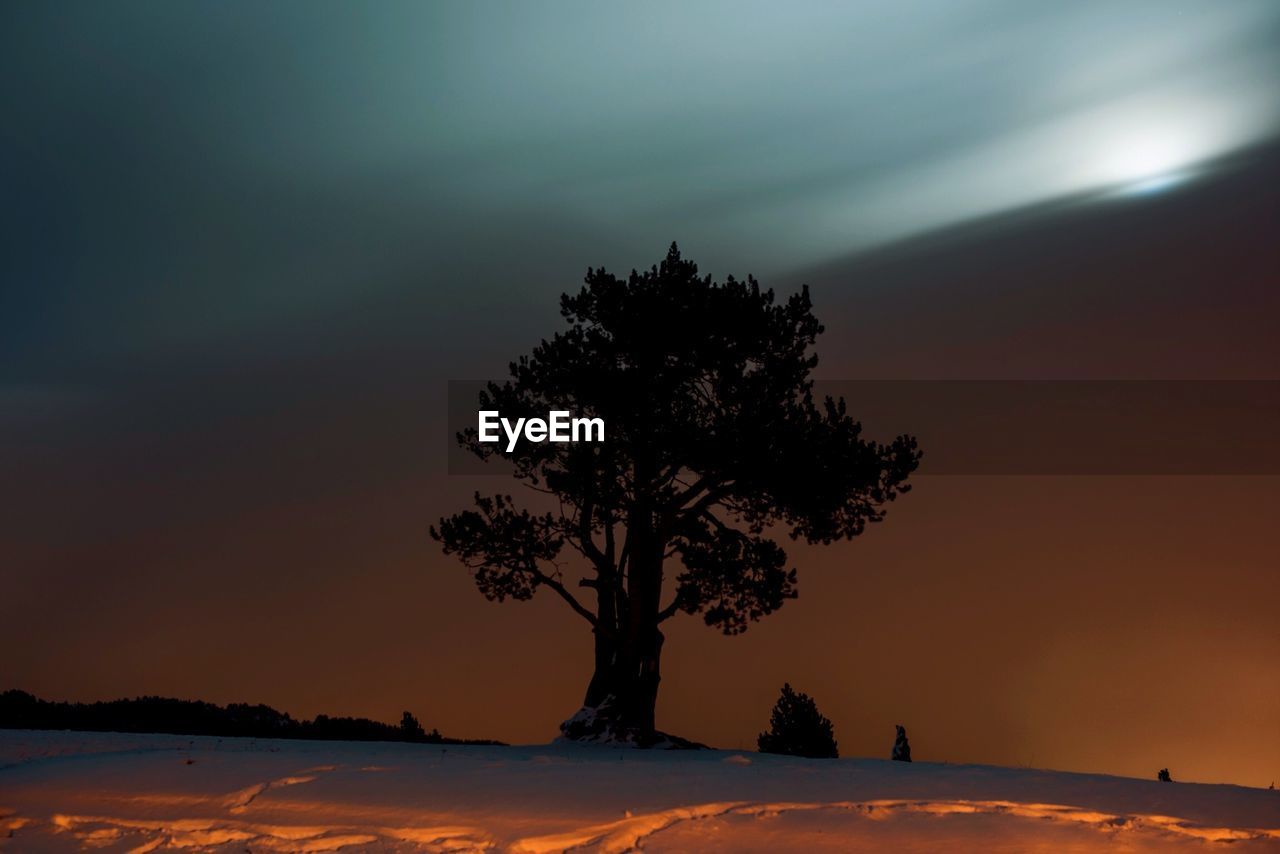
<point x="64" y="791"/>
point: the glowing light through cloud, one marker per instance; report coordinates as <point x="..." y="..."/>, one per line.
<point x="1147" y="155"/>
<point x="1167" y="145"/>
<point x="1156" y="184"/>
<point x="1129" y="146"/>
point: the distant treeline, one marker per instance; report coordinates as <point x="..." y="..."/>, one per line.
<point x="20" y="710"/>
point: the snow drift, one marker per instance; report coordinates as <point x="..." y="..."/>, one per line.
<point x="64" y="791"/>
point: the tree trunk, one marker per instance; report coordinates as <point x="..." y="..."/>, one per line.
<point x="623" y="693"/>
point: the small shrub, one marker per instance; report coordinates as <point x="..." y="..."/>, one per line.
<point x="901" y="747"/>
<point x="797" y="728"/>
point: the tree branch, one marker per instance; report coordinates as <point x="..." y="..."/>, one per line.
<point x="699" y="486"/>
<point x="555" y="585"/>
<point x="589" y="547"/>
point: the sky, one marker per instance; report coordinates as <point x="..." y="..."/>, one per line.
<point x="244" y="249"/>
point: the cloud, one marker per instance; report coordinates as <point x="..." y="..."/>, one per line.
<point x="186" y="176"/>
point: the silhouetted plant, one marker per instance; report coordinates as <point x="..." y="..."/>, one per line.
<point x="901" y="747"/>
<point x="20" y="710"/>
<point x="713" y="439"/>
<point x="411" y="729"/>
<point x="797" y="728"/>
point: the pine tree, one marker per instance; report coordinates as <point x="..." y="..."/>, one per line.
<point x="716" y="443"/>
<point x="797" y="728"/>
<point x="901" y="747"/>
<point x="411" y="729"/>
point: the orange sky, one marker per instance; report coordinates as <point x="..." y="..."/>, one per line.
<point x="1119" y="624"/>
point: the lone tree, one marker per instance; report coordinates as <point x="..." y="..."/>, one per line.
<point x="797" y="728"/>
<point x="713" y="441"/>
<point x="901" y="747"/>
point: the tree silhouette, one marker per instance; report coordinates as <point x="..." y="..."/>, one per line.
<point x="411" y="728"/>
<point x="713" y="441"/>
<point x="20" y="710"/>
<point x="797" y="728"/>
<point x="901" y="746"/>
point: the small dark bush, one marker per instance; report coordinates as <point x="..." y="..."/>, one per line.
<point x="797" y="728"/>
